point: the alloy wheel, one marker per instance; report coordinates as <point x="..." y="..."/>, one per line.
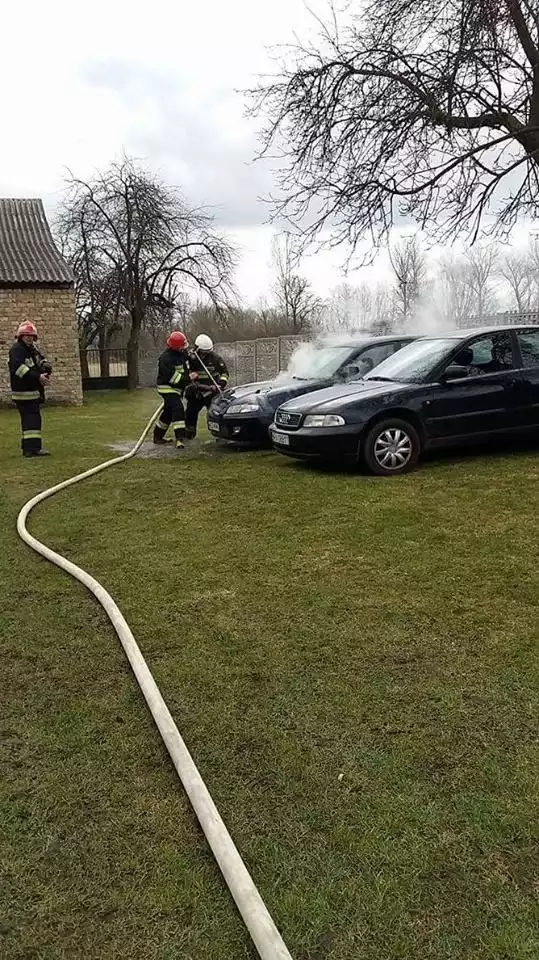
<point x="393" y="449"/>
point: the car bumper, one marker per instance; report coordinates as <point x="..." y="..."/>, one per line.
<point x="251" y="430"/>
<point x="337" y="443"/>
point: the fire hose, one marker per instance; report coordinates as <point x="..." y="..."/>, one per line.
<point x="210" y="374"/>
<point x="253" y="911"/>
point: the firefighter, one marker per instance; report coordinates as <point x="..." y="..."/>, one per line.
<point x="172" y="378"/>
<point x="30" y="375"/>
<point x="208" y="376"/>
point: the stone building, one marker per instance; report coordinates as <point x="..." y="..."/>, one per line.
<point x="37" y="284"/>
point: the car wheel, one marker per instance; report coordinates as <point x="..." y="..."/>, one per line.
<point x="391" y="447"/>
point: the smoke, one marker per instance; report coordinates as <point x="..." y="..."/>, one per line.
<point x="303" y="358"/>
<point x="429" y="317"/>
<point x="300" y="360"/>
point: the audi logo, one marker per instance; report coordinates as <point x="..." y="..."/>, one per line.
<point x="284" y="417"/>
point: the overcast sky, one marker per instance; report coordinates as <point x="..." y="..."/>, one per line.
<point x="160" y="81"/>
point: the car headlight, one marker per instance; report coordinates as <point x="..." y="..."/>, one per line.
<point x="247" y="407"/>
<point x="329" y="420"/>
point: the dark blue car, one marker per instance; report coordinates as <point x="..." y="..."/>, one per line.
<point x="435" y="392"/>
<point x="245" y="413"/>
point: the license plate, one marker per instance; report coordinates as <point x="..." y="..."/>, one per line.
<point x="213" y="427"/>
<point x="281" y="438"/>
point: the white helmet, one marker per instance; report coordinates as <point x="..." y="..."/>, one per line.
<point x="204" y="342"/>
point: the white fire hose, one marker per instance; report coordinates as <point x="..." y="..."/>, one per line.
<point x="254" y="913"/>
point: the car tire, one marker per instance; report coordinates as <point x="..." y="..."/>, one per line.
<point x="391" y="447"/>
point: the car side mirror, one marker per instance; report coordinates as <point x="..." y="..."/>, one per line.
<point x="454" y="372"/>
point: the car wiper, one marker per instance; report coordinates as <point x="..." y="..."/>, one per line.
<point x="384" y="379"/>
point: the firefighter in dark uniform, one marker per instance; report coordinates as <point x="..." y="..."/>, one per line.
<point x="208" y="376"/>
<point x="29" y="374"/>
<point x="172" y="379"/>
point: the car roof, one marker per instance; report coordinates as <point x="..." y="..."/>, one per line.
<point x="361" y="339"/>
<point x="464" y="333"/>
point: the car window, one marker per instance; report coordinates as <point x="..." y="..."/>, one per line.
<point x="491" y="354"/>
<point x="529" y="348"/>
<point x="316" y="361"/>
<point x="368" y="359"/>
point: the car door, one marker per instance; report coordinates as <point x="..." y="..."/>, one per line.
<point x="482" y="402"/>
<point x="528" y="407"/>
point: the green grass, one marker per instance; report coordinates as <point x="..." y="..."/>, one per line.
<point x="351" y="661"/>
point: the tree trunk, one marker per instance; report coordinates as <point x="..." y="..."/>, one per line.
<point x="84" y="368"/>
<point x="133" y="348"/>
<point x="104" y="355"/>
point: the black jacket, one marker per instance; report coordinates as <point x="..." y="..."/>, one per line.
<point x="26" y="364"/>
<point x="172" y="371"/>
<point x="216" y="366"/>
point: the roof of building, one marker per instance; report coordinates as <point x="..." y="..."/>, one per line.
<point x="28" y="254"/>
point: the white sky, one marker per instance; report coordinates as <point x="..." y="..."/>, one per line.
<point x="83" y="83"/>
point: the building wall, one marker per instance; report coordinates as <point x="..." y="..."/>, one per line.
<point x="53" y="312"/>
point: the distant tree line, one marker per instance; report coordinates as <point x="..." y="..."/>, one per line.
<point x="418" y="290"/>
<point x="424" y="291"/>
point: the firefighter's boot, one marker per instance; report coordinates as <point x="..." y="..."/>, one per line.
<point x="159" y="431"/>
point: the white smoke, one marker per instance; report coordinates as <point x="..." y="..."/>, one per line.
<point x="303" y="357"/>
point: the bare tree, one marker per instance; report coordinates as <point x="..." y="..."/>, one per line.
<point x="534" y="258"/>
<point x="141" y="232"/>
<point x="451" y="299"/>
<point x="408" y="264"/>
<point x="518" y="270"/>
<point x="346" y="308"/>
<point x="97" y="289"/>
<point x="480" y="264"/>
<point x="360" y="308"/>
<point x="427" y="109"/>
<point x="295" y="297"/>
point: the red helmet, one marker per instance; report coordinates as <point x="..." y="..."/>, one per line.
<point x="27" y="329"/>
<point x="177" y="341"/>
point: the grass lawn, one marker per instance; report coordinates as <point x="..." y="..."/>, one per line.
<point x="351" y="661"/>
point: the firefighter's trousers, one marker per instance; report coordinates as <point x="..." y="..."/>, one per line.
<point x="197" y="399"/>
<point x="30" y="414"/>
<point x="172" y="415"/>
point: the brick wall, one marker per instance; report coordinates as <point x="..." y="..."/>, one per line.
<point x="53" y="312"/>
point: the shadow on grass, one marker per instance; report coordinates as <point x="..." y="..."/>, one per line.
<point x="463" y="453"/>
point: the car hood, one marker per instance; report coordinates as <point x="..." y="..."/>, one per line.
<point x="274" y="391"/>
<point x="343" y="395"/>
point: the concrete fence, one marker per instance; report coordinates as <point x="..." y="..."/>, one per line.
<point x="247" y="360"/>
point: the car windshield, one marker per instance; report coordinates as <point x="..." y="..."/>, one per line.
<point x="414" y="362"/>
<point x="314" y="361"/>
